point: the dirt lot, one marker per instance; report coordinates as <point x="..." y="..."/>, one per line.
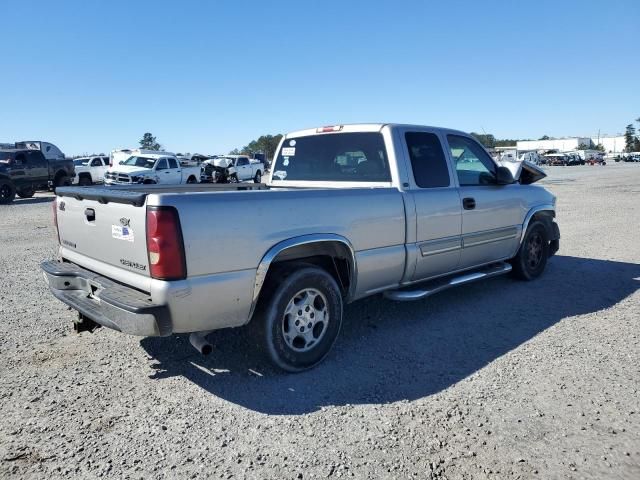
<point x="501" y="379"/>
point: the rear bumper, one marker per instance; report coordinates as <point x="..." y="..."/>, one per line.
<point x="106" y="302"/>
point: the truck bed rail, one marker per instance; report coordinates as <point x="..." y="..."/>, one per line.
<point x="135" y="195"/>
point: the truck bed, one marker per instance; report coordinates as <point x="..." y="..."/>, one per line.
<point x="136" y="194"/>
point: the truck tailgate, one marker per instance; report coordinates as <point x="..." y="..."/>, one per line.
<point x="110" y="232"/>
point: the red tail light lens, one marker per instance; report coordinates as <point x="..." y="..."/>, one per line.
<point x="54" y="208"/>
<point x="164" y="244"/>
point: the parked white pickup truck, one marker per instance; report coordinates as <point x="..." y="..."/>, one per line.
<point x="349" y="211"/>
<point x="247" y="168"/>
<point x="151" y="168"/>
<point x="90" y="170"/>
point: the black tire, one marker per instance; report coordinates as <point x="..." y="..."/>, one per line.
<point x="292" y="352"/>
<point x="258" y="177"/>
<point x="26" y="192"/>
<point x="149" y="182"/>
<point x="233" y="178"/>
<point x="85" y="180"/>
<point x="531" y="259"/>
<point x="61" y="181"/>
<point x="192" y="179"/>
<point x="7" y="192"/>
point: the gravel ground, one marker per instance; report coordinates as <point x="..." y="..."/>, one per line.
<point x="494" y="380"/>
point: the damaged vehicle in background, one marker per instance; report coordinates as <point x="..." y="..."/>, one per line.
<point x="151" y="168"/>
<point x="349" y="211"/>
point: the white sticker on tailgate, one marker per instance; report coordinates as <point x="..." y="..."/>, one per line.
<point x="122" y="233"/>
<point x="288" y="151"/>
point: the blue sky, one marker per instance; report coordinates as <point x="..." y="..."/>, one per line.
<point x="209" y="76"/>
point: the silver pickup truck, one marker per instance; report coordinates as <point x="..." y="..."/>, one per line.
<point x="349" y="211"/>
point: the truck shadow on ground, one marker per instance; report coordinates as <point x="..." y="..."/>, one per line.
<point x="390" y="351"/>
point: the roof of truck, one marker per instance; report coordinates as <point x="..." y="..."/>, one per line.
<point x="363" y="127"/>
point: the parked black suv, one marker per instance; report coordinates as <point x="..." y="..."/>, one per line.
<point x="24" y="171"/>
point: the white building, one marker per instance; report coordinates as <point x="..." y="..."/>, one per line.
<point x="567" y="144"/>
<point x="611" y="144"/>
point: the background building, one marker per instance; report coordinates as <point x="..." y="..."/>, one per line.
<point x="611" y="144"/>
<point x="562" y="144"/>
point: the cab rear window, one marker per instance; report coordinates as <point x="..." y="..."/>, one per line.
<point x="340" y="157"/>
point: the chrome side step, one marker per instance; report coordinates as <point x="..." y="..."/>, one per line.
<point x="439" y="285"/>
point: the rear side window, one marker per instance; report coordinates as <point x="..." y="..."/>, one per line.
<point x="172" y="163"/>
<point x="427" y="160"/>
<point x="338" y="157"/>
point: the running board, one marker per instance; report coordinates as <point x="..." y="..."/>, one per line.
<point x="439" y="285"/>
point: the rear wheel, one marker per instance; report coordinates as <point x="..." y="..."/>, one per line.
<point x="258" y="177"/>
<point x="7" y="192"/>
<point x="531" y="259"/>
<point x="61" y="181"/>
<point x="300" y="319"/>
<point x="26" y="192"/>
<point x="84" y="180"/>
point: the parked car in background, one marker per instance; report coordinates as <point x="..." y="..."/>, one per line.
<point x="349" y="211"/>
<point x="23" y="171"/>
<point x="247" y="168"/>
<point x="556" y="159"/>
<point x="574" y="158"/>
<point x="531" y="157"/>
<point x="90" y="170"/>
<point x="150" y="168"/>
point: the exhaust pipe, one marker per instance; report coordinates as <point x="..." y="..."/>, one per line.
<point x="200" y="343"/>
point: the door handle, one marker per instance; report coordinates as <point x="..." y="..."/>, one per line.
<point x="468" y="203"/>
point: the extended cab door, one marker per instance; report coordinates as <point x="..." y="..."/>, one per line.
<point x="437" y="205"/>
<point x="167" y="175"/>
<point x="98" y="166"/>
<point x="492" y="214"/>
<point x="38" y="167"/>
<point x="243" y="168"/>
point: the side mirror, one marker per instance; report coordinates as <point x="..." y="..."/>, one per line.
<point x="503" y="176"/>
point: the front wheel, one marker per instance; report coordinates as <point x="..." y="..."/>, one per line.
<point x="233" y="178"/>
<point x="26" y="192"/>
<point x="300" y="319"/>
<point x="532" y="256"/>
<point x="7" y="192"/>
<point x="192" y="179"/>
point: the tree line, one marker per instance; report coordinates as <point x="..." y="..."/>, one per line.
<point x="631" y="137"/>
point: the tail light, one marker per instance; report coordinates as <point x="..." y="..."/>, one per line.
<point x="164" y="244"/>
<point x="54" y="208"/>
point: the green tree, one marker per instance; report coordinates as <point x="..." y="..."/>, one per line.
<point x="545" y="137"/>
<point x="235" y="151"/>
<point x="486" y="139"/>
<point x="148" y="142"/>
<point x="630" y="138"/>
<point x="266" y="144"/>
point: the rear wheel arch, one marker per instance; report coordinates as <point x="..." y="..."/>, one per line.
<point x="332" y="253"/>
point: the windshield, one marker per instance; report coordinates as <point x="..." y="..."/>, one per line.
<point x="340" y="157"/>
<point x="81" y="162"/>
<point x="142" y="162"/>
